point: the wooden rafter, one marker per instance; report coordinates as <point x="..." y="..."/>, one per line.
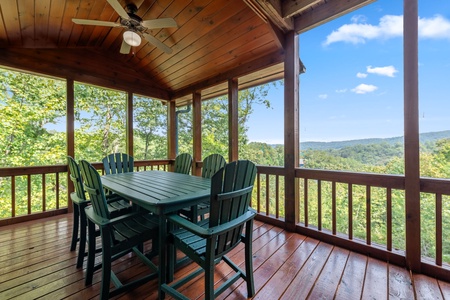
<point x="326" y="12"/>
<point x="270" y="10"/>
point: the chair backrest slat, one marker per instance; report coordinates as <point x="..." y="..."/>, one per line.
<point x="183" y="163"/>
<point x="231" y="189"/>
<point x="118" y="163"/>
<point x="94" y="187"/>
<point x="76" y="178"/>
<point x="212" y="164"/>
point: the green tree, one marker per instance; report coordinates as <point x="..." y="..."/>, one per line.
<point x="101" y="118"/>
<point x="150" y="129"/>
<point x="28" y="104"/>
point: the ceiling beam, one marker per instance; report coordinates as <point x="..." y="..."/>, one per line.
<point x="90" y="69"/>
<point x="326" y="12"/>
<point x="242" y="70"/>
<point x="291" y="8"/>
<point x="271" y="10"/>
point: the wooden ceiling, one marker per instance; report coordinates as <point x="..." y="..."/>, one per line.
<point x="215" y="40"/>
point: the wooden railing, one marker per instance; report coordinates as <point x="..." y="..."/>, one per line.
<point x="327" y="200"/>
<point x="331" y="204"/>
<point x="42" y="191"/>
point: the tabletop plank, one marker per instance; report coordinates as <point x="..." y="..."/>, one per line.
<point x="159" y="190"/>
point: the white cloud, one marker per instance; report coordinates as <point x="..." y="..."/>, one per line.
<point x="361" y="75"/>
<point x="359" y="19"/>
<point x="323" y="96"/>
<point x="341" y="91"/>
<point x="364" y="88"/>
<point x="383" y="71"/>
<point x="390" y="26"/>
<point x="435" y="28"/>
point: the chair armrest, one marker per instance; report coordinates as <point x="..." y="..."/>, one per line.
<point x="103" y="221"/>
<point x="222" y="228"/>
<point x="77" y="199"/>
<point x="188" y="225"/>
<point x="208" y="232"/>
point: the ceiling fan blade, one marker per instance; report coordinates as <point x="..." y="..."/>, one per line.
<point x="157" y="43"/>
<point x="160" y="23"/>
<point x="125" y="48"/>
<point x="95" y="22"/>
<point x="119" y="9"/>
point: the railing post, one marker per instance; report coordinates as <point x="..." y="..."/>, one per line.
<point x="291" y="125"/>
<point x="197" y="131"/>
<point x="411" y="119"/>
<point x="233" y="119"/>
<point x="129" y="124"/>
<point x="171" y="151"/>
<point x="70" y="139"/>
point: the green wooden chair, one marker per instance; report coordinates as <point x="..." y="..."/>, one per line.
<point x="118" y="163"/>
<point x="116" y="206"/>
<point x="183" y="163"/>
<point x="120" y="236"/>
<point x="208" y="241"/>
<point x="211" y="164"/>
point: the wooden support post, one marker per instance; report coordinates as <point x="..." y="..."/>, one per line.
<point x="70" y="137"/>
<point x="197" y="131"/>
<point x="129" y="124"/>
<point x="171" y="127"/>
<point x="291" y="125"/>
<point x="411" y="119"/>
<point x="233" y="119"/>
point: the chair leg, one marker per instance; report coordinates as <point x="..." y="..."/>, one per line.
<point x="91" y="254"/>
<point x="82" y="245"/>
<point x="209" y="279"/>
<point x="249" y="260"/>
<point x="106" y="266"/>
<point x="76" y="221"/>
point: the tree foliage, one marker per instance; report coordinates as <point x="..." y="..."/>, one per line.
<point x="33" y="109"/>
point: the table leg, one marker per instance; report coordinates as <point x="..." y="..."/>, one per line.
<point x="171" y="255"/>
<point x="162" y="279"/>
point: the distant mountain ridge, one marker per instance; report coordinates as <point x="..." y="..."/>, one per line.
<point x="424" y="137"/>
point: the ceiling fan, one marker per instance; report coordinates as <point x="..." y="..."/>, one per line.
<point x="134" y="25"/>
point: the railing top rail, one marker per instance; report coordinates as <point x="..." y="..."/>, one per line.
<point x="371" y="179"/>
<point x="32" y="170"/>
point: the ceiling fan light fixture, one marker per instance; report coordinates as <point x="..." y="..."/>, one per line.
<point x="132" y="38"/>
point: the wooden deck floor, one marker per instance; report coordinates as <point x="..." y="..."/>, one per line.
<point x="35" y="262"/>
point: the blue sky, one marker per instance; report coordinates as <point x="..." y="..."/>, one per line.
<point x="353" y="85"/>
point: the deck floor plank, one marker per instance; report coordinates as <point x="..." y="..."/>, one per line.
<point x="276" y="286"/>
<point x="302" y="284"/>
<point x="426" y="288"/>
<point x="352" y="280"/>
<point x="327" y="282"/>
<point x="400" y="284"/>
<point x="35" y="263"/>
<point x="376" y="280"/>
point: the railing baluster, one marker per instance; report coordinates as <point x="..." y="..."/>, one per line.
<point x="305" y="203"/>
<point x="350" y="211"/>
<point x="439" y="229"/>
<point x="389" y="219"/>
<point x="277" y="196"/>
<point x="333" y="207"/>
<point x="29" y="193"/>
<point x="258" y="196"/>
<point x="57" y="190"/>
<point x="43" y="193"/>
<point x="368" y="216"/>
<point x="267" y="194"/>
<point x="319" y="204"/>
<point x="13" y="196"/>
